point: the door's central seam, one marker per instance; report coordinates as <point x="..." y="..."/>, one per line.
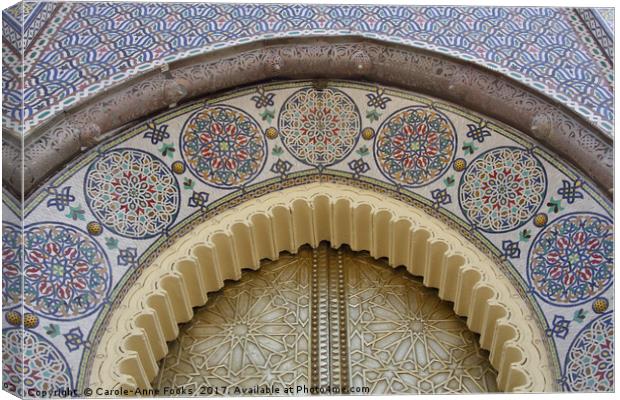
<point x="330" y="366"/>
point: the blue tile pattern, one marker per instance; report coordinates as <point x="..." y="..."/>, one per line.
<point x="86" y="47"/>
<point x="27" y="19"/>
<point x="600" y="22"/>
<point x="607" y="18"/>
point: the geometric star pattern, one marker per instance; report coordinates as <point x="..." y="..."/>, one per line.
<point x="253" y="332"/>
<point x="260" y="331"/>
<point x="404" y="339"/>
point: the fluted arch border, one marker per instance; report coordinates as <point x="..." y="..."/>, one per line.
<point x="50" y="145"/>
<point x="218" y="249"/>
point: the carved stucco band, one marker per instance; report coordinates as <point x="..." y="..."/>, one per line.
<point x="49" y="146"/>
<point x="217" y="250"/>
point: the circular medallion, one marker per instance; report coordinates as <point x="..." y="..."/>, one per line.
<point x="66" y="273"/>
<point x="540" y="220"/>
<point x="571" y="261"/>
<point x="319" y="127"/>
<point x="459" y="164"/>
<point x="502" y="189"/>
<point x="31" y="363"/>
<point x="415" y="146"/>
<point x="132" y="193"/>
<point x="600" y="305"/>
<point x="11" y="265"/>
<point x="178" y="167"/>
<point x="589" y="363"/>
<point x="368" y="133"/>
<point x="31" y="321"/>
<point x="13" y="318"/>
<point x="94" y="228"/>
<point x="224" y="147"/>
<point x="271" y="133"/>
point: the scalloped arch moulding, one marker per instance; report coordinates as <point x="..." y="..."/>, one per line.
<point x="50" y="145"/>
<point x="218" y="249"/>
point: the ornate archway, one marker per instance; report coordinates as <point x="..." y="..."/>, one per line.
<point x="219" y="249"/>
<point x="142" y="190"/>
<point x="119" y="156"/>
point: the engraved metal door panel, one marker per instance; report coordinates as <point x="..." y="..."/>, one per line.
<point x="332" y="319"/>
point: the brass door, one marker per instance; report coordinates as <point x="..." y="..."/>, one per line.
<point x="326" y="321"/>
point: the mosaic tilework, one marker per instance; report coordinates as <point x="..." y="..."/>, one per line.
<point x="600" y="22"/>
<point x="502" y="189"/>
<point x="415" y="146"/>
<point x="319" y="127"/>
<point x="528" y="248"/>
<point x="87" y="47"/>
<point x="607" y="16"/>
<point x="23" y="21"/>
<point x="11" y="294"/>
<point x="43" y="366"/>
<point x="11" y="90"/>
<point x="590" y="360"/>
<point x="571" y="259"/>
<point x="132" y="193"/>
<point x="66" y="273"/>
<point x="223" y="146"/>
<point x="11" y="266"/>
